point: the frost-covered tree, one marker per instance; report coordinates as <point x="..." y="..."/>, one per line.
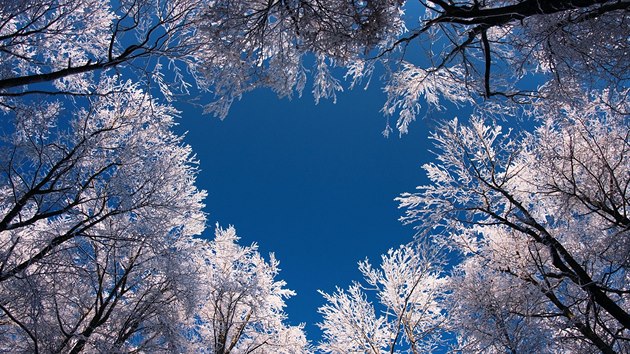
<point x="468" y="49"/>
<point x="265" y="43"/>
<point x="67" y="42"/>
<point x="541" y="223"/>
<point x="225" y="47"/>
<point x="241" y="304"/>
<point x="90" y="210"/>
<point x="408" y="317"/>
<point x="97" y="218"/>
<point x="434" y="51"/>
<point x="98" y="205"/>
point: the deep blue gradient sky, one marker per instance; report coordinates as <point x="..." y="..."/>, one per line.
<point x="312" y="183"/>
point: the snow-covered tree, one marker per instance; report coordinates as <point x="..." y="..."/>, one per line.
<point x="98" y="205"/>
<point x="265" y="43"/>
<point x="501" y="49"/>
<point x="468" y="49"/>
<point x="409" y="317"/>
<point x="241" y="304"/>
<point x="67" y="42"/>
<point x="541" y="222"/>
<point x="226" y="47"/>
<point x="90" y="209"/>
<point x="97" y="218"/>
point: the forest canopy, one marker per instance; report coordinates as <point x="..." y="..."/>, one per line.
<point x="100" y="216"/>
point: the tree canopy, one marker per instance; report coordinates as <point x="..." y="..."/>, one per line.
<point x="100" y="215"/>
<point x="541" y="220"/>
<point x="225" y="48"/>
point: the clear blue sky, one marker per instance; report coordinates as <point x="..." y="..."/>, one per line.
<point x="312" y="183"/>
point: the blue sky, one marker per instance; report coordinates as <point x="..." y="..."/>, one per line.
<point x="312" y="183"/>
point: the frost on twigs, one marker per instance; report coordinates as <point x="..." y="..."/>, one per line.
<point x="468" y="50"/>
<point x="541" y="221"/>
<point x="241" y="306"/>
<point x="98" y="219"/>
<point x="326" y="85"/>
<point x="93" y="207"/>
<point x="395" y="309"/>
<point x="411" y="85"/>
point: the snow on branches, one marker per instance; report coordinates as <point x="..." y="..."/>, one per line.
<point x="408" y="317"/>
<point x="543" y="212"/>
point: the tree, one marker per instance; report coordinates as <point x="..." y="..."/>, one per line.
<point x="90" y="211"/>
<point x="497" y="48"/>
<point x="98" y="206"/>
<point x="268" y="43"/>
<point x="96" y="240"/>
<point x="491" y="48"/>
<point x="409" y="288"/>
<point x="57" y="47"/>
<point x="543" y="212"/>
<point x="66" y="42"/>
<point x="470" y="49"/>
<point x="241" y="308"/>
